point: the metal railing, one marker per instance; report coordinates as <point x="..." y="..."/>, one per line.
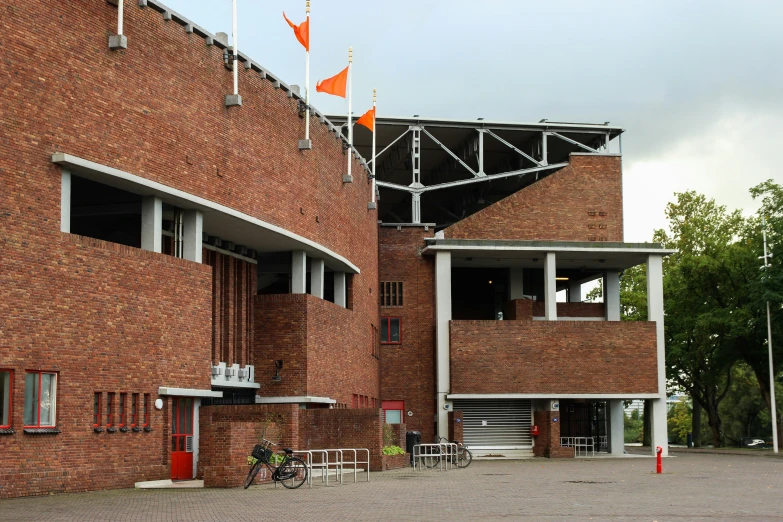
<point x="581" y="445"/>
<point x="335" y="461"/>
<point x="428" y="456"/>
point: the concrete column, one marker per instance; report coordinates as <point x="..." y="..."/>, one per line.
<point x="659" y="427"/>
<point x="550" y="288"/>
<point x="574" y="292"/>
<point x="152" y="224"/>
<point x="65" y="201"/>
<point x="192" y="235"/>
<point x="339" y="289"/>
<point x="655" y="313"/>
<point x="298" y="272"/>
<point x="317" y="278"/>
<point x="617" y="427"/>
<point x="612" y="295"/>
<point x="442" y="343"/>
<point x="517" y="290"/>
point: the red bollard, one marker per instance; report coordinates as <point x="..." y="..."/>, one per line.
<point x="659" y="451"/>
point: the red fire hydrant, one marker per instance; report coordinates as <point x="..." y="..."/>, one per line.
<point x="659" y="451"/>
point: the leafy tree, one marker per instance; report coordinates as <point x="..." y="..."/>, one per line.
<point x="679" y="422"/>
<point x="703" y="299"/>
<point x="633" y="427"/>
<point x="743" y="406"/>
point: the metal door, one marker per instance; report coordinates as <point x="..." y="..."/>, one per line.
<point x="182" y="438"/>
<point x="496" y="423"/>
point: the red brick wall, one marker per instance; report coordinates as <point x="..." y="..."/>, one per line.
<point x="112" y="318"/>
<point x="233" y="296"/>
<point x="67" y="308"/>
<point x="326" y="349"/>
<point x="553" y="357"/>
<point x="229" y="433"/>
<point x="408" y="369"/>
<point x="581" y="202"/>
<point x="548" y="441"/>
<point x="519" y="310"/>
<point x="571" y="309"/>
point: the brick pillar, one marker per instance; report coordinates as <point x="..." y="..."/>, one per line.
<point x="548" y="440"/>
<point x="456" y="427"/>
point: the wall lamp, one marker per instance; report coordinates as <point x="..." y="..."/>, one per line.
<point x="278" y="366"/>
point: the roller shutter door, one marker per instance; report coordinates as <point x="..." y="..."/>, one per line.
<point x="495" y="423"/>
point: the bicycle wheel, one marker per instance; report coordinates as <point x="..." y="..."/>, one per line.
<point x="464" y="458"/>
<point x="252" y="474"/>
<point x="292" y="473"/>
<point x="431" y="460"/>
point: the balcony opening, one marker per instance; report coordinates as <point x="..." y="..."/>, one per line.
<point x="106" y="213"/>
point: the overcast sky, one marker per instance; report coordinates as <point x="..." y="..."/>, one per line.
<point x="698" y="85"/>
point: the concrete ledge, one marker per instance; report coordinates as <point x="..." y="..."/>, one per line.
<point x="188" y="392"/>
<point x="233" y="100"/>
<point x="118" y="41"/>
<point x="169" y="484"/>
<point x="303" y="399"/>
<point x="347" y="178"/>
<point x="305" y="144"/>
<point x="371" y="206"/>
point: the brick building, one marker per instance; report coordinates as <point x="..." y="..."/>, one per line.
<point x="170" y="259"/>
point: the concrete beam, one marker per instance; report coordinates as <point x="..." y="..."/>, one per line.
<point x="317" y="278"/>
<point x="550" y="287"/>
<point x="65" y="201"/>
<point x="612" y="295"/>
<point x="655" y="313"/>
<point x="617" y="427"/>
<point x="298" y="272"/>
<point x="192" y="235"/>
<point x="340" y="289"/>
<point x="516" y="288"/>
<point x="442" y="347"/>
<point x="152" y="224"/>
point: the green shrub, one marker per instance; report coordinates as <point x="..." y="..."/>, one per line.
<point x="393" y="450"/>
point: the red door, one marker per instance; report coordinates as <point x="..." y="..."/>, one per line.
<point x="182" y="438"/>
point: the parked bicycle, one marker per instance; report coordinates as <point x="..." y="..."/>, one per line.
<point x="462" y="458"/>
<point x="291" y="472"/>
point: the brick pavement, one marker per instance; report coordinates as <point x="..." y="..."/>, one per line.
<point x="693" y="487"/>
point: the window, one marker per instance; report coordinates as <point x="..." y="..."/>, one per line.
<point x="6" y="387"/>
<point x="123" y="396"/>
<point x="391" y="293"/>
<point x="109" y="410"/>
<point x="96" y="409"/>
<point x="390" y="330"/>
<point x="392" y="411"/>
<point x="134" y="419"/>
<point x="40" y="400"/>
<point x="146" y="410"/>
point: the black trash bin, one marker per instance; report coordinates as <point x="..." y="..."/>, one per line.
<point x="411" y="439"/>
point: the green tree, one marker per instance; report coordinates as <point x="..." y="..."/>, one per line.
<point x="633" y="427"/>
<point x="702" y="286"/>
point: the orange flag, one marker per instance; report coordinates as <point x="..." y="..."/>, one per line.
<point x="334" y="85"/>
<point x="302" y="32"/>
<point x="368" y="119"/>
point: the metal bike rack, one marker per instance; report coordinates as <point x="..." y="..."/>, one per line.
<point x="326" y="460"/>
<point x="445" y="452"/>
<point x="581" y="445"/>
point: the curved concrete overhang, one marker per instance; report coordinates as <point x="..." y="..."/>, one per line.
<point x="219" y="220"/>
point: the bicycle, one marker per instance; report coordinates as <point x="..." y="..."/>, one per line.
<point x="463" y="457"/>
<point x="291" y="472"/>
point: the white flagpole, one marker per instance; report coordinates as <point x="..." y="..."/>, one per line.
<point x="350" y="126"/>
<point x="119" y="18"/>
<point x="234" y="45"/>
<point x="307" y="78"/>
<point x="374" y="125"/>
